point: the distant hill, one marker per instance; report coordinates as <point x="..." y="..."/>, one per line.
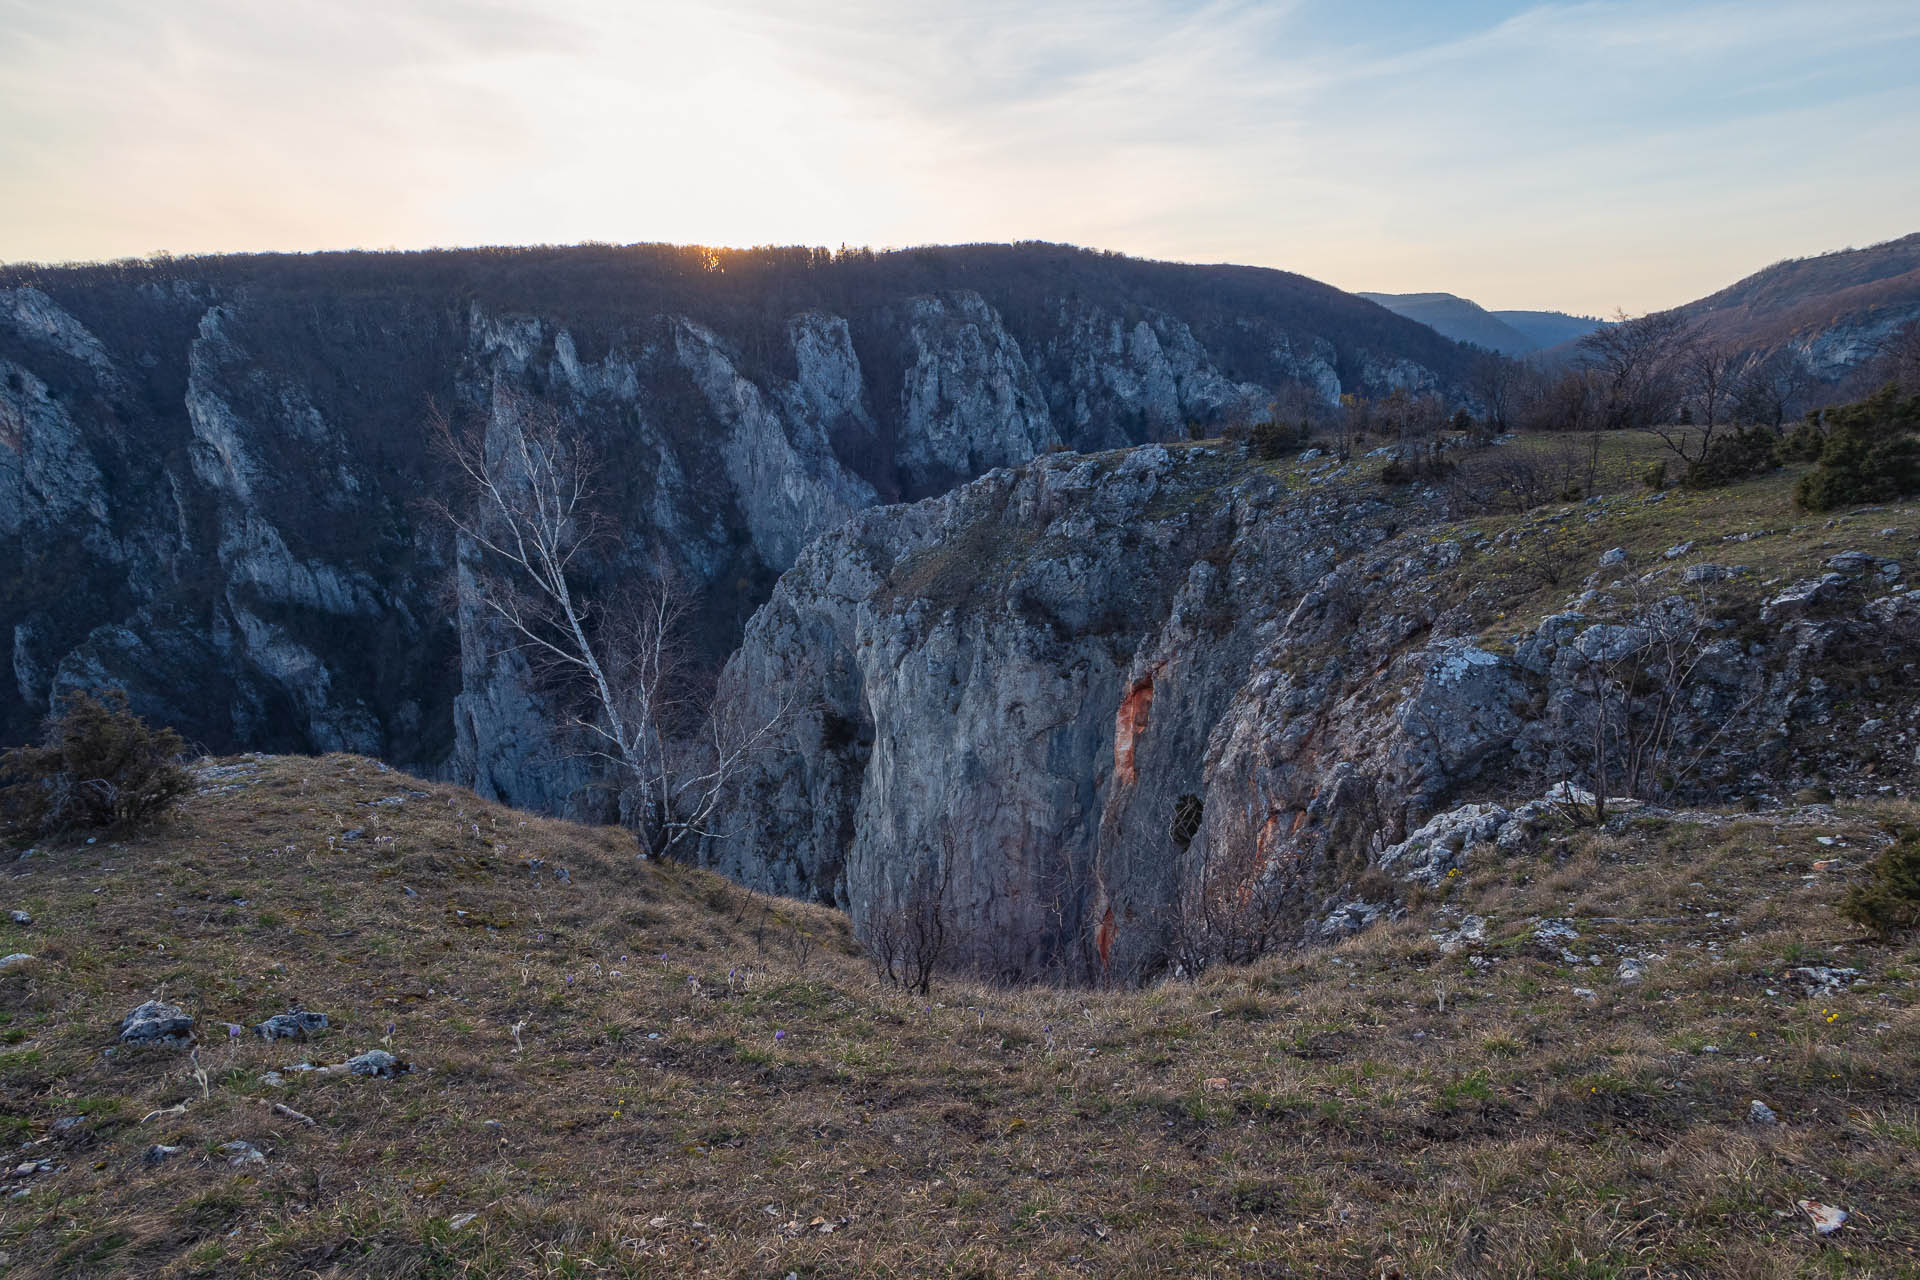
<point x="1513" y="333"/>
<point x="1835" y="310"/>
<point x="1457" y="318"/>
<point x="1549" y="328"/>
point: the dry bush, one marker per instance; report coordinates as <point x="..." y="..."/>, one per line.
<point x="1516" y="478"/>
<point x="907" y="943"/>
<point x="1889" y="902"/>
<point x="98" y="766"/>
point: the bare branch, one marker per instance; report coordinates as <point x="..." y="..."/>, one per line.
<point x="618" y="666"/>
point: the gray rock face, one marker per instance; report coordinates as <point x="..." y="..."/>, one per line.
<point x="213" y="483"/>
<point x="1833" y="352"/>
<point x="1027" y="702"/>
<point x="969" y="401"/>
<point x="157" y="1023"/>
<point x="1437" y="848"/>
<point x="988" y="699"/>
<point x="1089" y="702"/>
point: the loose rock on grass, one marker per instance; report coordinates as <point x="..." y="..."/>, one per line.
<point x="157" y="1023"/>
<point x="241" y="1154"/>
<point x="376" y="1062"/>
<point x="292" y="1026"/>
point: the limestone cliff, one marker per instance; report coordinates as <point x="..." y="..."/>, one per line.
<point x="210" y="470"/>
<point x="1116" y="710"/>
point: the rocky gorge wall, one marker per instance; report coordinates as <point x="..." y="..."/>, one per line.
<point x="210" y="470"/>
<point x="1113" y="711"/>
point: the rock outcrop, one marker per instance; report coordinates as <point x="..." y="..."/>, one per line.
<point x="1110" y="712"/>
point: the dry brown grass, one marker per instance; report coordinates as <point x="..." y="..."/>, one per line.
<point x="1387" y="1109"/>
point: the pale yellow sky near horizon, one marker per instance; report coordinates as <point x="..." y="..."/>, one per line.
<point x="1583" y="157"/>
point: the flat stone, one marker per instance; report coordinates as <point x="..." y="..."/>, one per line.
<point x="1350" y="918"/>
<point x="1802" y="596"/>
<point x="375" y="1062"/>
<point x="1473" y="929"/>
<point x="157" y="1023"/>
<point x="292" y="1026"/>
<point x="241" y="1154"/>
<point x="1821" y="979"/>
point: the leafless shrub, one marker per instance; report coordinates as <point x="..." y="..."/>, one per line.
<point x="907" y="941"/>
<point x="1515" y="478"/>
<point x="1229" y="910"/>
<point x="1767" y="387"/>
<point x="1632" y="683"/>
<point x="801" y="941"/>
<point x="1639" y="366"/>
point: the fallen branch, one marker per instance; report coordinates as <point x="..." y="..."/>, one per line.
<point x="281" y="1108"/>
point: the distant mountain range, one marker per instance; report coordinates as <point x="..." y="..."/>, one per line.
<point x="1512" y="333"/>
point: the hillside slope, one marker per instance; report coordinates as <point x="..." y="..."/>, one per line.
<point x="1834" y="310"/>
<point x="211" y="469"/>
<point x="1541" y="1065"/>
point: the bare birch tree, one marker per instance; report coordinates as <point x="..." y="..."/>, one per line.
<point x="616" y="665"/>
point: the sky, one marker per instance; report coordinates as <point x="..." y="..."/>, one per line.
<point x="1617" y="155"/>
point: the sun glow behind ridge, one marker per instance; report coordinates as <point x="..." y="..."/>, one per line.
<point x="1576" y="156"/>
